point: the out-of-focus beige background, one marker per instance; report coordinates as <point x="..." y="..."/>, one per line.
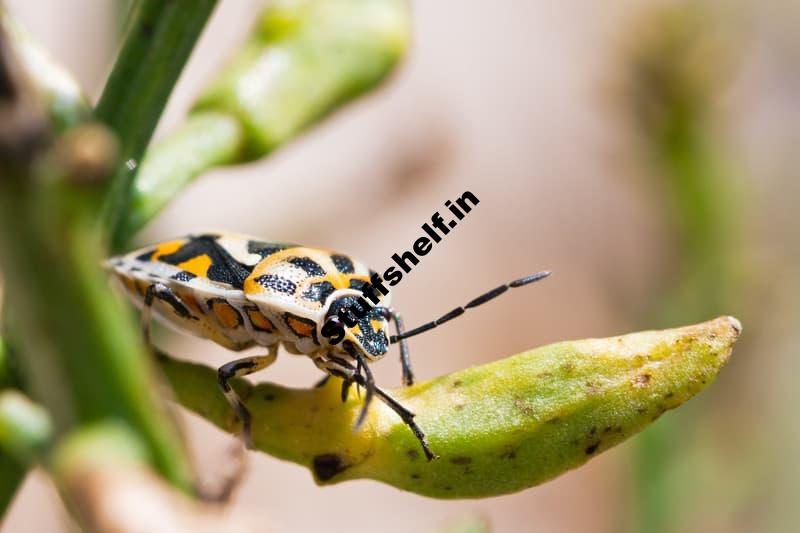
<point x="522" y="103"/>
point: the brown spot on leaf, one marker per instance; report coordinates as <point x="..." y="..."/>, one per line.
<point x="641" y="380"/>
<point x="461" y="460"/>
<point x="328" y="465"/>
<point x="594" y="388"/>
<point x="412" y="454"/>
<point x="457" y="383"/>
<point x="592" y="448"/>
<point x="524" y="406"/>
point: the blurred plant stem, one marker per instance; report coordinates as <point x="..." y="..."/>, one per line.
<point x="303" y="60"/>
<point x="205" y="140"/>
<point x="676" y="71"/>
<point x="25" y="427"/>
<point x="6" y="376"/>
<point x="25" y="430"/>
<point x="704" y="222"/>
<point x="160" y="37"/>
<point x="77" y="347"/>
<point x="12" y="473"/>
<point x="498" y="428"/>
<point x="102" y="471"/>
<point x="65" y="103"/>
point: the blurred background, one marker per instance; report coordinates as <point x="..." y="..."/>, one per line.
<point x="645" y="151"/>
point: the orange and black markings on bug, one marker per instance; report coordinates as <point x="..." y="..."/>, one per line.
<point x="239" y="291"/>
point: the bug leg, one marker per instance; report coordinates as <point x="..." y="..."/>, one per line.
<point x="359" y="365"/>
<point x="239" y="368"/>
<point x="165" y="294"/>
<point x="405" y="415"/>
<point x="346" y="389"/>
<point x="368" y="381"/>
<point x="405" y="360"/>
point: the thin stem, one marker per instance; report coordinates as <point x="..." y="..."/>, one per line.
<point x="78" y="347"/>
<point x="674" y="102"/>
<point x="205" y="140"/>
<point x="160" y="38"/>
<point x="12" y="474"/>
<point x="6" y="377"/>
<point x="303" y="61"/>
<point x="25" y="427"/>
<point x="12" y="471"/>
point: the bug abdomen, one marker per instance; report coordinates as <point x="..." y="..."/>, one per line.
<point x="220" y="319"/>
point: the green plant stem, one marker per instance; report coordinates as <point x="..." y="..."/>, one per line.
<point x="498" y="428"/>
<point x="205" y="140"/>
<point x="673" y="98"/>
<point x="25" y="427"/>
<point x="64" y="99"/>
<point x="66" y="106"/>
<point x="25" y="431"/>
<point x="78" y="348"/>
<point x="704" y="224"/>
<point x="6" y="379"/>
<point x="12" y="471"/>
<point x="102" y="472"/>
<point x="159" y="40"/>
<point x="12" y="474"/>
<point x="303" y="60"/>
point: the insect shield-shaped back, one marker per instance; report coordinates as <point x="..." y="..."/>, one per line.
<point x="358" y="326"/>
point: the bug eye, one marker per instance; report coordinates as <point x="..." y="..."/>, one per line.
<point x="334" y="321"/>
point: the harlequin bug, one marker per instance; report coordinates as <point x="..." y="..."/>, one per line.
<point x="239" y="291"/>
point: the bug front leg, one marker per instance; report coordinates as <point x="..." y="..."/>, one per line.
<point x="159" y="291"/>
<point x="404" y="414"/>
<point x="239" y="368"/>
<point x="405" y="359"/>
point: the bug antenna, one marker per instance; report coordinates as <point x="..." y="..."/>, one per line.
<point x="480" y="300"/>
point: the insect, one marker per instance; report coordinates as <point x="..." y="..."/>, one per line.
<point x="239" y="291"/>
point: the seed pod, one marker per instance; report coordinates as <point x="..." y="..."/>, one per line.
<point x="497" y="428"/>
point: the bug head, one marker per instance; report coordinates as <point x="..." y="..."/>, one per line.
<point x="351" y="325"/>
